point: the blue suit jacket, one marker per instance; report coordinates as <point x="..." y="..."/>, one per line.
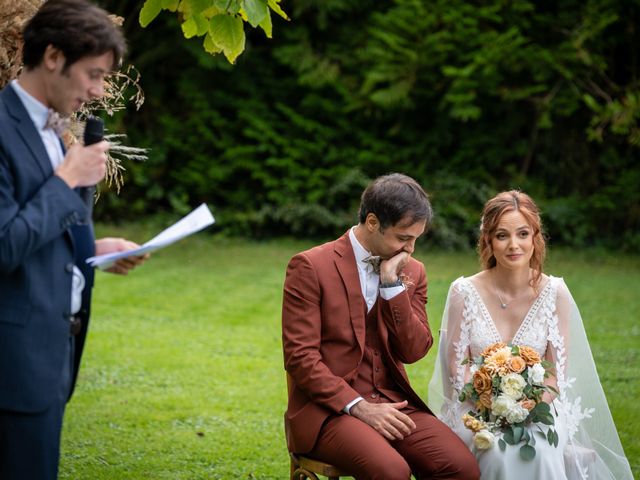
<point x="45" y="228"/>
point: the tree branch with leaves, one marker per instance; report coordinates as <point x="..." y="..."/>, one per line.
<point x="220" y="22"/>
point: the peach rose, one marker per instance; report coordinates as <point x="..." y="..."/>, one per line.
<point x="472" y="423"/>
<point x="482" y="381"/>
<point x="497" y="361"/>
<point x="491" y="349"/>
<point x="529" y="355"/>
<point x="516" y="364"/>
<point x="528" y="404"/>
<point x="485" y="401"/>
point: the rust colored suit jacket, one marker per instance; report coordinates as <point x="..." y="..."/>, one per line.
<point x="323" y="334"/>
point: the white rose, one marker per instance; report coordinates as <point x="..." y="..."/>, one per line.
<point x="473" y="368"/>
<point x="502" y="405"/>
<point x="483" y="440"/>
<point x="512" y="385"/>
<point x="516" y="414"/>
<point x="536" y="374"/>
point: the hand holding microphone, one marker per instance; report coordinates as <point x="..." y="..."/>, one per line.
<point x="85" y="166"/>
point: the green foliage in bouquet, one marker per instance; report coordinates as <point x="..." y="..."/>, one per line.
<point x="506" y="389"/>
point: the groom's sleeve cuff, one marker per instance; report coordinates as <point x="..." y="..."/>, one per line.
<point x="347" y="409"/>
<point x="388" y="293"/>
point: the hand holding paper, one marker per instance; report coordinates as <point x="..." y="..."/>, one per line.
<point x="198" y="219"/>
<point x="122" y="266"/>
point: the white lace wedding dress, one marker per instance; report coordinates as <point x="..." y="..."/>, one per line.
<point x="589" y="447"/>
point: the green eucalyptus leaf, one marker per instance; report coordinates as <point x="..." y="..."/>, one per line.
<point x="547" y="419"/>
<point x="509" y="436"/>
<point x="527" y="452"/>
<point x="518" y="432"/>
<point x="502" y="444"/>
<point x="542" y="408"/>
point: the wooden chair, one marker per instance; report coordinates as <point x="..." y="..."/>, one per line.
<point x="303" y="468"/>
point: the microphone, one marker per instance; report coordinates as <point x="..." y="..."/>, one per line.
<point x="93" y="133"/>
<point x="93" y="130"/>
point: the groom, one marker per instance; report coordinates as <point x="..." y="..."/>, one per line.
<point x="353" y="313"/>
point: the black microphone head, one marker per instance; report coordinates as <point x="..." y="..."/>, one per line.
<point x="93" y="130"/>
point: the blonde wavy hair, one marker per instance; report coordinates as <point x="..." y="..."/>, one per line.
<point x="493" y="211"/>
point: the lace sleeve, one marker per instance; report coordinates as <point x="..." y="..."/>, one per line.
<point x="449" y="373"/>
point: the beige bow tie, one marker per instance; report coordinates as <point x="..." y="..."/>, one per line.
<point x="56" y="122"/>
<point x="374" y="261"/>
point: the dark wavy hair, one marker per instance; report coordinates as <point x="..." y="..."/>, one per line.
<point x="493" y="211"/>
<point x="393" y="198"/>
<point x="76" y="27"/>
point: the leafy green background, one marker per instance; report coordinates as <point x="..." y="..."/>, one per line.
<point x="470" y="98"/>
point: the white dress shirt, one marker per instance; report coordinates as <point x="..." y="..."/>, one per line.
<point x="369" y="280"/>
<point x="370" y="286"/>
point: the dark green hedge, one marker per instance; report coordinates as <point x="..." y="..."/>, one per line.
<point x="466" y="97"/>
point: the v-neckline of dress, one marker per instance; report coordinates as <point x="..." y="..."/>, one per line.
<point x="533" y="309"/>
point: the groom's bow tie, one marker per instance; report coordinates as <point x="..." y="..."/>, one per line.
<point x="374" y="261"/>
<point x="56" y="122"/>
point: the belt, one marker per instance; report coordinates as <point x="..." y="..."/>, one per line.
<point x="75" y="325"/>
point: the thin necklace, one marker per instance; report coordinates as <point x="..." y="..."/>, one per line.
<point x="503" y="304"/>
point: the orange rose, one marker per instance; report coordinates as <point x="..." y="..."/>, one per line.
<point x="529" y="355"/>
<point x="516" y="364"/>
<point x="528" y="404"/>
<point x="485" y="401"/>
<point x="482" y="381"/>
<point x="491" y="349"/>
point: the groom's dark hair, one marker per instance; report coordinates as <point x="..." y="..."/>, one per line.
<point x="393" y="198"/>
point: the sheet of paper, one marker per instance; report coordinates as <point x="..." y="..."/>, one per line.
<point x="198" y="219"/>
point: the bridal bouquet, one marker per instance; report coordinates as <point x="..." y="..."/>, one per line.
<point x="506" y="388"/>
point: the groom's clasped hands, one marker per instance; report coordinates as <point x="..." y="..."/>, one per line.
<point x="385" y="418"/>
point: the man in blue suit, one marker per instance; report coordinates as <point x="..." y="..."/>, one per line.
<point x="45" y="229"/>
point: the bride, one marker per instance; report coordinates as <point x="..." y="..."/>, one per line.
<point x="512" y="302"/>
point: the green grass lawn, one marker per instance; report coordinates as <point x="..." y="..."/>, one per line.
<point x="183" y="376"/>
